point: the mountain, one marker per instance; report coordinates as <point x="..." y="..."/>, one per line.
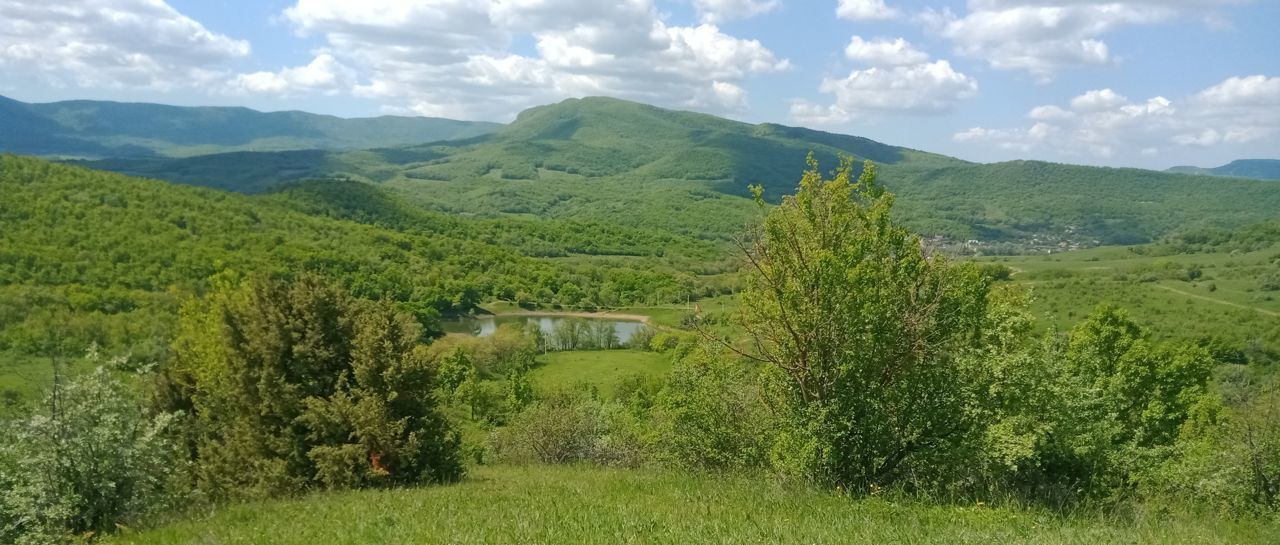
<point x="631" y="164"/>
<point x="603" y="137"/>
<point x="585" y="138"/>
<point x="1262" y="169"/>
<point x="100" y="129"/>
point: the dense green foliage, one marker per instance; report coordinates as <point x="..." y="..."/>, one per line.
<point x="866" y="331"/>
<point x="93" y="458"/>
<point x="298" y="384"/>
<point x="894" y="368"/>
<point x="86" y="128"/>
<point x="91" y="257"/>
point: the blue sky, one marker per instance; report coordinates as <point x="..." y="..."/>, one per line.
<point x="1149" y="83"/>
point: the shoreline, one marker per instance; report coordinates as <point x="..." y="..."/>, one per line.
<point x="571" y="314"/>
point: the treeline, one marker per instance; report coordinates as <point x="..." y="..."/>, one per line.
<point x="1250" y="238"/>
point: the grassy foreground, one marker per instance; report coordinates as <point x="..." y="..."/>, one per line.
<point x="575" y="505"/>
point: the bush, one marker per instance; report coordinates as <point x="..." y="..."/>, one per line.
<point x="711" y="415"/>
<point x="1270" y="282"/>
<point x="1087" y="419"/>
<point x="297" y="384"/>
<point x="571" y="427"/>
<point x="643" y="337"/>
<point x="1227" y="459"/>
<point x="99" y="459"/>
<point x="864" y="332"/>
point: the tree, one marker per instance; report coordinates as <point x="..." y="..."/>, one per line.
<point x="296" y="383"/>
<point x="1125" y="399"/>
<point x="864" y="332"/>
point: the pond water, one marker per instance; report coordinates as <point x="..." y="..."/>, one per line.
<point x="551" y="326"/>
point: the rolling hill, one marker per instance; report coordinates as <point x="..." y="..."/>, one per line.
<point x="101" y="129"/>
<point x="1262" y="169"/>
<point x="637" y="165"/>
<point x="97" y="258"/>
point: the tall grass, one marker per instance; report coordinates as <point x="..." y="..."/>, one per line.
<point x="582" y="505"/>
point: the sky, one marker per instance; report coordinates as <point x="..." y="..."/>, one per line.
<point x="1145" y="83"/>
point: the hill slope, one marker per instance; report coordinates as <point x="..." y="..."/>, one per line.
<point x="91" y="257"/>
<point x="97" y="129"/>
<point x="642" y="166"/>
<point x="1262" y="169"/>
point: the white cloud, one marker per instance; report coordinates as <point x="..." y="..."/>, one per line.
<point x="1249" y="91"/>
<point x="881" y="52"/>
<point x="1097" y="101"/>
<point x="1042" y="37"/>
<point x="1050" y="113"/>
<point x="455" y="57"/>
<point x="324" y="74"/>
<point x="718" y="11"/>
<point x="925" y="88"/>
<point x="864" y="10"/>
<point x="112" y="43"/>
<point x="900" y="80"/>
<point x="1102" y="123"/>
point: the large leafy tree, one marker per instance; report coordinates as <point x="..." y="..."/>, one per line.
<point x="866" y="330"/>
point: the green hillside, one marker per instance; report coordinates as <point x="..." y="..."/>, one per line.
<point x="1262" y="169"/>
<point x="99" y="129"/>
<point x="642" y="166"/>
<point x="94" y="257"/>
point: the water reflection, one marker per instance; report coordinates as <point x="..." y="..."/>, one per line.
<point x="552" y="327"/>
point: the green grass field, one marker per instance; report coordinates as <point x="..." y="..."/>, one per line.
<point x="580" y="505"/>
<point x="1225" y="300"/>
<point x="603" y="369"/>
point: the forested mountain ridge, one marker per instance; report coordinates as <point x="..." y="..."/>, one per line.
<point x="101" y="129"/>
<point x="1262" y="169"/>
<point x="621" y="162"/>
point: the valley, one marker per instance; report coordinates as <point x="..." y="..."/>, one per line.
<point x="584" y="325"/>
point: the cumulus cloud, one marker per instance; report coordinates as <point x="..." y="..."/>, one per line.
<point x="1097" y="101"/>
<point x="718" y="11"/>
<point x="900" y="80"/>
<point x="864" y="10"/>
<point x="1042" y="37"/>
<point x="324" y="74"/>
<point x="112" y="43"/>
<point x="1102" y="123"/>
<point x="881" y="52"/>
<point x="455" y="57"/>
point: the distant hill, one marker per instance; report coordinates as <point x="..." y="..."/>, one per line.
<point x="602" y="137"/>
<point x="632" y="164"/>
<point x="100" y="129"/>
<point x="1262" y="169"/>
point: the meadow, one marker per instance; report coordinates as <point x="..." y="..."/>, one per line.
<point x="601" y="369"/>
<point x="1214" y="294"/>
<point x="586" y="505"/>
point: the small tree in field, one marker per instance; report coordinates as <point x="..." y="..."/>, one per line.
<point x="865" y="332"/>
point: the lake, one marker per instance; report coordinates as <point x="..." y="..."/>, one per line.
<point x="483" y="326"/>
